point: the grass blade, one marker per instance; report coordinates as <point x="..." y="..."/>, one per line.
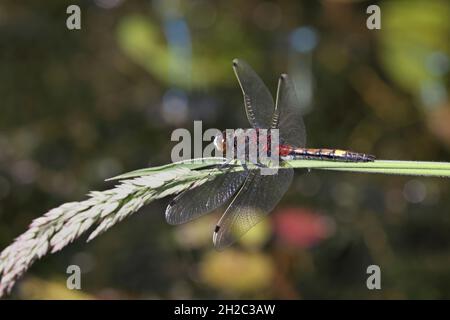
<point x="103" y="209"/>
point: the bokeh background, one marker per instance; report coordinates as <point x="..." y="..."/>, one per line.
<point x="78" y="107"/>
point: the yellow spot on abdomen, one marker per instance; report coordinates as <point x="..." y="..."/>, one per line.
<point x="339" y="152"/>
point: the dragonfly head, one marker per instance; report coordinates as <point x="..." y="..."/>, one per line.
<point x="219" y="142"/>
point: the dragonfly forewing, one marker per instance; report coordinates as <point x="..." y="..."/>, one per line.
<point x="258" y="101"/>
<point x="287" y="116"/>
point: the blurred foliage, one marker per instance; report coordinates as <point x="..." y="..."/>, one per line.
<point x="141" y="40"/>
<point x="403" y="52"/>
<point x="81" y="106"/>
<point x="258" y="273"/>
<point x="35" y="288"/>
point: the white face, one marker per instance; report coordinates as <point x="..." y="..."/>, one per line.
<point x="219" y="142"/>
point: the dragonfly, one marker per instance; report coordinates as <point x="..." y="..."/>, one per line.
<point x="250" y="195"/>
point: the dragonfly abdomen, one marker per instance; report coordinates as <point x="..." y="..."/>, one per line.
<point x="328" y="154"/>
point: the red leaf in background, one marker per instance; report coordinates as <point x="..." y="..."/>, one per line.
<point x="301" y="227"/>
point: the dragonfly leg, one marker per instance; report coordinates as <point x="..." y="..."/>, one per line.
<point x="220" y="166"/>
<point x="260" y="165"/>
<point x="225" y="164"/>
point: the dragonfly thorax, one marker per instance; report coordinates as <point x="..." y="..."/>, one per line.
<point x="231" y="143"/>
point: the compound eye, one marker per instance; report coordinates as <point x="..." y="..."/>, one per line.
<point x="218" y="142"/>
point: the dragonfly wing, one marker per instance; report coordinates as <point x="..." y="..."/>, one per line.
<point x="198" y="201"/>
<point x="257" y="197"/>
<point x="287" y="116"/>
<point x="258" y="101"/>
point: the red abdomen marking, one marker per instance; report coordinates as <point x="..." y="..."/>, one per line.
<point x="284" y="150"/>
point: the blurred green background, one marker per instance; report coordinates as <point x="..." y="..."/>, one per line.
<point x="78" y="107"/>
